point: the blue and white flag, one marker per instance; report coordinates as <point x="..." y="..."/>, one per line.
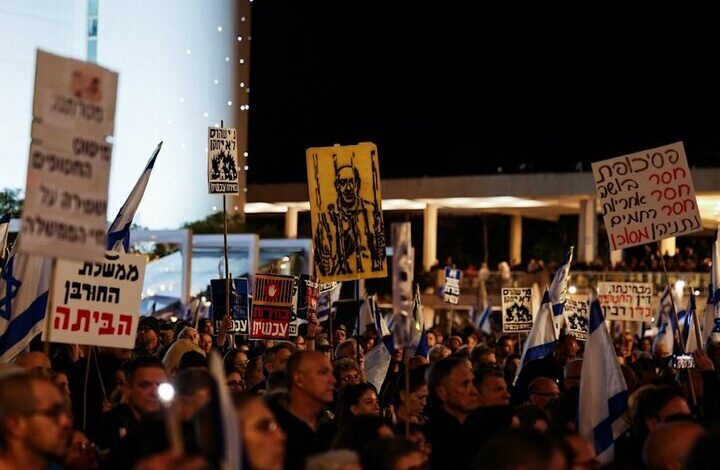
<point x="691" y="326"/>
<point x="558" y="291"/>
<point x="542" y="338"/>
<point x="603" y="392"/>
<point x="370" y="314"/>
<point x="484" y="322"/>
<point x="119" y="232"/>
<point x="328" y="298"/>
<point x="665" y="338"/>
<point x="4" y="231"/>
<point x="418" y="340"/>
<point x="23" y="301"/>
<point x="711" y="308"/>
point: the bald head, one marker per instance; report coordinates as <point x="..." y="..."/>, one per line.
<point x="669" y="445"/>
<point x="35" y="363"/>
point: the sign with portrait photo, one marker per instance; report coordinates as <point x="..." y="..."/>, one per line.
<point x="346" y="212"/>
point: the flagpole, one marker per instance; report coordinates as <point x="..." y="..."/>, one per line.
<point x="225" y="245"/>
<point x="677" y="337"/>
<point x="48" y="312"/>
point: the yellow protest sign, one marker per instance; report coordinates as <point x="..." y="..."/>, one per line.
<point x="346" y="212"/>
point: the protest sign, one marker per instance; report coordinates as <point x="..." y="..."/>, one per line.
<point x="647" y="196"/>
<point x="65" y="208"/>
<point x="346" y="212"/>
<point x="238" y="304"/>
<point x="576" y="313"/>
<point x="451" y="292"/>
<point x="517" y="315"/>
<point x="272" y="305"/>
<point x="626" y="301"/>
<point x="97" y="303"/>
<point x="223" y="166"/>
<point x="305" y="303"/>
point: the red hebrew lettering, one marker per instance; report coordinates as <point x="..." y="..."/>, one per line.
<point x="65" y="312"/>
<point x="108" y="328"/>
<point x="125" y="321"/>
<point x="82" y="316"/>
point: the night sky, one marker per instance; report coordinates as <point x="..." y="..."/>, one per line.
<point x="448" y="90"/>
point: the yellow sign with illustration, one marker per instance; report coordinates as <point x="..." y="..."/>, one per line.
<point x="346" y="212"/>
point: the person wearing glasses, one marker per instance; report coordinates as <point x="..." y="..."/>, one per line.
<point x="542" y="391"/>
<point x="347" y="372"/>
<point x="35" y="423"/>
<point x="262" y="438"/>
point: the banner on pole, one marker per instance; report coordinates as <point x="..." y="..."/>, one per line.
<point x="647" y="196"/>
<point x="346" y="212"/>
<point x="65" y="209"/>
<point x="517" y="315"/>
<point x="223" y="166"/>
<point x="97" y="304"/>
<point x="626" y="301"/>
<point x="239" y="304"/>
<point x="305" y="303"/>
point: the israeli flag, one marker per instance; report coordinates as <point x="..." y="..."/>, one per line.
<point x="542" y="338"/>
<point x="711" y="308"/>
<point x="558" y="291"/>
<point x="484" y="323"/>
<point x="370" y="314"/>
<point x="327" y="301"/>
<point x="665" y="337"/>
<point x="119" y="232"/>
<point x="23" y="300"/>
<point x="227" y="438"/>
<point x="603" y="392"/>
<point x="418" y="341"/>
<point x="691" y="326"/>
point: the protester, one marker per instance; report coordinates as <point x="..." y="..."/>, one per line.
<point x="334" y="460"/>
<point x="491" y="388"/>
<point x="35" y="423"/>
<point x="81" y="454"/>
<point x="262" y="438"/>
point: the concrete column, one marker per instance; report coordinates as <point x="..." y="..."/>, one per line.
<point x="291" y="222"/>
<point x="429" y="236"/>
<point x="615" y="257"/>
<point x="587" y="231"/>
<point x="515" y="239"/>
<point x="667" y="245"/>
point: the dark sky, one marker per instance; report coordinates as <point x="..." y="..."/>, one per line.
<point x="447" y="90"/>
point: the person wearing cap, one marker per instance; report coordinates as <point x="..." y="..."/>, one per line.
<point x="340" y="334"/>
<point x="148" y="342"/>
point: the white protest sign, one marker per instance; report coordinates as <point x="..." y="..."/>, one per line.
<point x="97" y="303"/>
<point x="452" y="285"/>
<point x="65" y="209"/>
<point x="517" y="315"/>
<point x="223" y="166"/>
<point x="577" y="314"/>
<point x="647" y="196"/>
<point x="626" y="301"/>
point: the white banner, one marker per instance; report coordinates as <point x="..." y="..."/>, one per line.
<point x="647" y="196"/>
<point x="65" y="211"/>
<point x="577" y="314"/>
<point x="223" y="166"/>
<point x="626" y="301"/>
<point x="97" y="303"/>
<point x="451" y="292"/>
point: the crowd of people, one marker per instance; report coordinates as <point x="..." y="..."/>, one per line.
<point x="305" y="404"/>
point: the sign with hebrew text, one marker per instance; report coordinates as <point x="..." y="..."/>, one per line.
<point x="517" y="315"/>
<point x="627" y="301"/>
<point x="223" y="166"/>
<point x="346" y="212"/>
<point x="577" y="316"/>
<point x="647" y="196"/>
<point x="272" y="306"/>
<point x="97" y="303"/>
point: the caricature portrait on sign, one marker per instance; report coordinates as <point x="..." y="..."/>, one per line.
<point x="346" y="211"/>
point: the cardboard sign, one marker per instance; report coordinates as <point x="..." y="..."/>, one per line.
<point x="239" y="304"/>
<point x="346" y="212"/>
<point x="97" y="304"/>
<point x="577" y="314"/>
<point x="65" y="209"/>
<point x="626" y="301"/>
<point x="272" y="306"/>
<point x="223" y="166"/>
<point x="451" y="293"/>
<point x="305" y="303"/>
<point x="647" y="196"/>
<point x="517" y="315"/>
